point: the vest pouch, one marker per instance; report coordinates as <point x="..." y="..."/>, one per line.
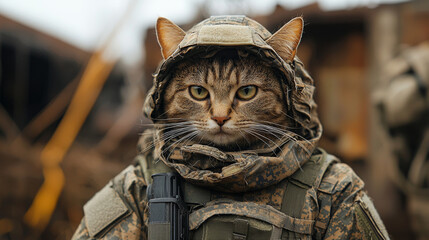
<point x="234" y="228"/>
<point x="228" y="219"/>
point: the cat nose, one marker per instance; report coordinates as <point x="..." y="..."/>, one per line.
<point x="221" y="120"/>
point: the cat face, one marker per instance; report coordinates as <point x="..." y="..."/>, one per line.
<point x="222" y="101"/>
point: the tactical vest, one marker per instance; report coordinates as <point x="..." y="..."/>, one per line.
<point x="217" y="215"/>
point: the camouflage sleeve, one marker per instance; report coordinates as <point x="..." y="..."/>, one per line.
<point x="118" y="211"/>
<point x="353" y="215"/>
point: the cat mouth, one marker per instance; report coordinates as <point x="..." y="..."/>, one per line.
<point x="222" y="131"/>
<point x="220" y="135"/>
<point x="223" y="136"/>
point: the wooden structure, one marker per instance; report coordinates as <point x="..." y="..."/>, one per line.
<point x="34" y="68"/>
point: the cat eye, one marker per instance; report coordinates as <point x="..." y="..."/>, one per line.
<point x="199" y="93"/>
<point x="246" y="92"/>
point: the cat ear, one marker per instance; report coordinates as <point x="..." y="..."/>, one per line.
<point x="169" y="36"/>
<point x="285" y="41"/>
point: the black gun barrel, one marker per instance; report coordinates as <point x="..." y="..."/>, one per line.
<point x="168" y="213"/>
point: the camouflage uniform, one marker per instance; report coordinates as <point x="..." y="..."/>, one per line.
<point x="300" y="193"/>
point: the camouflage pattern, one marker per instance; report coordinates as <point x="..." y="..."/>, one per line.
<point x="329" y="211"/>
<point x="131" y="186"/>
<point x="249" y="194"/>
<point x="238" y="171"/>
<point x="262" y="212"/>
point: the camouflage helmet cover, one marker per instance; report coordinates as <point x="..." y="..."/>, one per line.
<point x="218" y="32"/>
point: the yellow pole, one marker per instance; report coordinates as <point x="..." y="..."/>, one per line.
<point x="87" y="92"/>
<point x="90" y="85"/>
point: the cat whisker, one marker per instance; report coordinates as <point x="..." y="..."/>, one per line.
<point x="264" y="130"/>
<point x="169" y="135"/>
<point x="244" y="137"/>
<point x="282" y="132"/>
<point x="148" y="147"/>
<point x="154" y="143"/>
<point x="191" y="138"/>
<point x="294" y="141"/>
<point x="170" y="120"/>
<point x="166" y="126"/>
<point x="178" y="132"/>
<point x="189" y="135"/>
<point x="168" y="138"/>
<point x="287" y="115"/>
<point x="173" y="129"/>
<point x="163" y="113"/>
<point x="258" y="136"/>
<point x="274" y="124"/>
<point x="202" y="137"/>
<point x="174" y="123"/>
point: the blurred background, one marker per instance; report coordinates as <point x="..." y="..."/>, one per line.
<point x="73" y="78"/>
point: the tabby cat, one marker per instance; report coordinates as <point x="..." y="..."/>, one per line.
<point x="232" y="100"/>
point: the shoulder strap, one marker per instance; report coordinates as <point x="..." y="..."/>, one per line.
<point x="325" y="190"/>
<point x="309" y="176"/>
<point x="309" y="172"/>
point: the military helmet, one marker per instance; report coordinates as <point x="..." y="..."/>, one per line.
<point x="240" y="32"/>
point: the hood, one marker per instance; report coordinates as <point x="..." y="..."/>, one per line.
<point x="240" y="171"/>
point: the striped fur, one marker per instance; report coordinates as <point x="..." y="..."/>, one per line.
<point x="250" y="122"/>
